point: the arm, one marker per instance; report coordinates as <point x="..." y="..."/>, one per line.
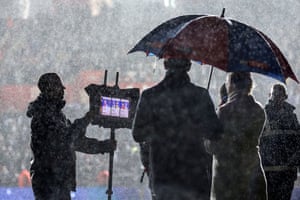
<point x="78" y="127"/>
<point x="214" y="141"/>
<point x="206" y="120"/>
<point x="85" y="144"/>
<point x="143" y="121"/>
<point x="94" y="146"/>
<point x="211" y="124"/>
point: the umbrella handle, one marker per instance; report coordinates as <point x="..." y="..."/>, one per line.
<point x="210" y="74"/>
<point x="211" y="67"/>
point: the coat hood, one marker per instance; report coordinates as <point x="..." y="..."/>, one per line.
<point x="42" y="104"/>
<point x="285" y="105"/>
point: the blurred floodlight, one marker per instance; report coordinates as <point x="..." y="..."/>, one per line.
<point x="8" y="191"/>
<point x="24" y="8"/>
<point x="170" y="3"/>
<point x="73" y="195"/>
<point x="96" y="6"/>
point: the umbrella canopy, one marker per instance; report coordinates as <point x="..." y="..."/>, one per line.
<point x="153" y="42"/>
<point x="285" y="66"/>
<point x="217" y="41"/>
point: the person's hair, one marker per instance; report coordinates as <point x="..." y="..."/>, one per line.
<point x="279" y="91"/>
<point x="241" y="81"/>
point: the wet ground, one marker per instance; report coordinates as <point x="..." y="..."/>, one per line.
<point x="95" y="193"/>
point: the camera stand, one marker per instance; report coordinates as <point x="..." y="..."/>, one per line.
<point x="114" y="108"/>
<point x="109" y="191"/>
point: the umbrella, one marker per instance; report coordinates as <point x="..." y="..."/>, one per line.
<point x="217" y="41"/>
<point x="153" y="42"/>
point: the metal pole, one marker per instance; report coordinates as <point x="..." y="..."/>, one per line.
<point x="105" y="77"/>
<point x="211" y="67"/>
<point x="211" y="71"/>
<point x="109" y="191"/>
<point x="117" y="79"/>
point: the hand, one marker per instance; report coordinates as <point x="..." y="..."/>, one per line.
<point x="109" y="145"/>
<point x="89" y="115"/>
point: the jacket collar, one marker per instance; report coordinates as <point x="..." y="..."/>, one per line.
<point x="238" y="95"/>
<point x="175" y="79"/>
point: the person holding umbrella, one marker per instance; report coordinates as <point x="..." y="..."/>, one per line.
<point x="54" y="140"/>
<point x="279" y="145"/>
<point x="175" y="117"/>
<point x="236" y="169"/>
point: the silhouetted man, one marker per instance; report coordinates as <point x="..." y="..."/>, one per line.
<point x="54" y="140"/>
<point x="175" y="117"/>
<point x="279" y="144"/>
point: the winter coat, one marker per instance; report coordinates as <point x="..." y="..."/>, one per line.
<point x="279" y="147"/>
<point x="236" y="168"/>
<point x="281" y="137"/>
<point x="54" y="140"/>
<point x="176" y="117"/>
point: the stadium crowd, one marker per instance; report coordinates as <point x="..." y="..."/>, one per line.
<point x="67" y="42"/>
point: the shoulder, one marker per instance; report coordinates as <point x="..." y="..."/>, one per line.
<point x="256" y="110"/>
<point x="197" y="87"/>
<point x="197" y="90"/>
<point x="254" y="106"/>
<point x="248" y="104"/>
<point x="148" y="93"/>
<point x="289" y="107"/>
<point x="189" y="89"/>
<point x="260" y="110"/>
<point x="268" y="106"/>
<point x="154" y="89"/>
<point x="258" y="104"/>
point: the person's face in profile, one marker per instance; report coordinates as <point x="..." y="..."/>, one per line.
<point x="228" y="86"/>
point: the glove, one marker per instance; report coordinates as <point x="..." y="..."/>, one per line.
<point x="84" y="121"/>
<point x="89" y="116"/>
<point x="108" y="146"/>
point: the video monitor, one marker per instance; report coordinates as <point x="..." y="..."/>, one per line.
<point x="114" y="107"/>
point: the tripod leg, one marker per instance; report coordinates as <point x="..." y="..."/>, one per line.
<point x="109" y="191"/>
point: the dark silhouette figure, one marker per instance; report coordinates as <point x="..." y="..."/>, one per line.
<point x="145" y="158"/>
<point x="278" y="145"/>
<point x="236" y="168"/>
<point x="54" y="140"/>
<point x="175" y="117"/>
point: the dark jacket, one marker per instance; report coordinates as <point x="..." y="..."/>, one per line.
<point x="54" y="140"/>
<point x="176" y="117"/>
<point x="281" y="136"/>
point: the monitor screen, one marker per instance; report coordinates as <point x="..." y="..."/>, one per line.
<point x="114" y="107"/>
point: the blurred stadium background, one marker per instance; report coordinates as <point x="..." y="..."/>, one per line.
<point x="79" y="39"/>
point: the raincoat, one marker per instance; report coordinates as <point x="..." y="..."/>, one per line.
<point x="175" y="117"/>
<point x="54" y="140"/>
<point x="236" y="168"/>
<point x="279" y="147"/>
